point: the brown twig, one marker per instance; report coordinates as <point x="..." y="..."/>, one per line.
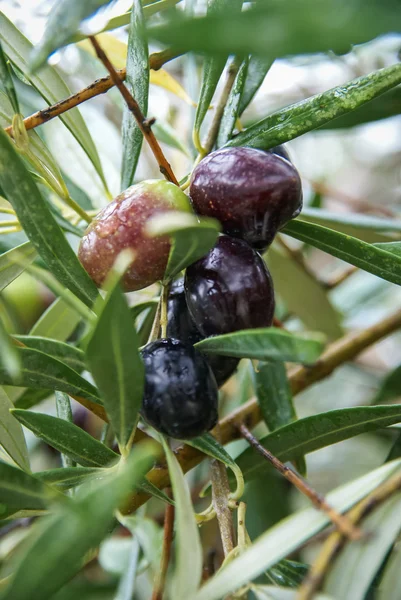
<point x="318" y="500"/>
<point x="339" y="277"/>
<point x="100" y="86"/>
<point x="343" y="350"/>
<point x="143" y="123"/>
<point x="166" y="550"/>
<point x="336" y="540"/>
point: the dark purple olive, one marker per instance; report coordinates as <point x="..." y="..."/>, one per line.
<point x="122" y="224"/>
<point x="251" y="192"/>
<point x="229" y="289"/>
<point x="181" y="395"/>
<point x="182" y="327"/>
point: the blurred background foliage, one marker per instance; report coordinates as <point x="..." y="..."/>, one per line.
<point x="349" y="167"/>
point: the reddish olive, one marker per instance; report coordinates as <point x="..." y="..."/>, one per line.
<point x="122" y="224"/>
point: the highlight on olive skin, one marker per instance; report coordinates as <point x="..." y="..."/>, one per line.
<point x="121" y="224"/>
<point x="251" y="192"/>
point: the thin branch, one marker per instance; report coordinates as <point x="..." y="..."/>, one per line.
<point x="336" y="540"/>
<point x="100" y="86"/>
<point x="344" y="525"/>
<point x="220" y="494"/>
<point x="339" y="277"/>
<point x="163" y="311"/>
<point x="166" y="550"/>
<point x="143" y="123"/>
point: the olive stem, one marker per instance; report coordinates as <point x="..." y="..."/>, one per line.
<point x="221" y="104"/>
<point x="144" y="124"/>
<point x="166" y="550"/>
<point x="163" y="309"/>
<point x="100" y="86"/>
<point x="221" y="495"/>
<point x="154" y="334"/>
<point x="344" y="525"/>
<point x="336" y="540"/>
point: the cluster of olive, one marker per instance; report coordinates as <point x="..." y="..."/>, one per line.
<point x="253" y="194"/>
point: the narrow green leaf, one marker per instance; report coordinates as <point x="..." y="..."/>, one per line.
<point x="389" y="586"/>
<point x="275" y="399"/>
<point x="66" y="353"/>
<point x="126" y="585"/>
<point x="166" y="134"/>
<point x="30" y="397"/>
<point x="12" y="263"/>
<point x="188" y="566"/>
<point x="210" y="446"/>
<point x="137" y="309"/>
<point x="299" y="118"/>
<point x="192" y="237"/>
<point x="70" y="477"/>
<point x="79" y="526"/>
<point x="271" y="592"/>
<point x="150" y="8"/>
<point x="302" y="294"/>
<point x="366" y="227"/>
<point x="388" y="105"/>
<point x="288" y="573"/>
<point x="137" y="81"/>
<point x="231" y="110"/>
<point x="285" y="537"/>
<point x="275" y="29"/>
<point x="212" y="69"/>
<point x="9" y="358"/>
<point x="365" y="256"/>
<point x="40" y="371"/>
<point x="50" y="86"/>
<point x="64" y="411"/>
<point x="393" y="247"/>
<point x="21" y="491"/>
<point x="352" y="573"/>
<point x="58" y="322"/>
<point x="274" y="394"/>
<point x="316" y="432"/>
<point x="6" y="81"/>
<point x="62" y="23"/>
<point x="67" y="438"/>
<point x="11" y="436"/>
<point x="40" y="225"/>
<point x="265" y="344"/>
<point x="390" y="387"/>
<point x="116" y="365"/>
<point x="257" y="70"/>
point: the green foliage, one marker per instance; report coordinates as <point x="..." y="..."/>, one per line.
<point x="138" y="84"/>
<point x="265" y="344"/>
<point x="116" y="366"/>
<point x="84" y="344"/>
<point x="192" y="237"/>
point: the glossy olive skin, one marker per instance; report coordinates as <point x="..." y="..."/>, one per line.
<point x="281" y="151"/>
<point x="180" y="396"/>
<point x="251" y="192"/>
<point x="229" y="289"/>
<point x="182" y="327"/>
<point x="122" y="224"/>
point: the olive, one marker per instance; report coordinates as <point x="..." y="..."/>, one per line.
<point x="122" y="224"/>
<point x="181" y="395"/>
<point x="229" y="289"/>
<point x="251" y="192"/>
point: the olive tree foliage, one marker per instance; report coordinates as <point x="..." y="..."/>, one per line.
<point x="85" y="483"/>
